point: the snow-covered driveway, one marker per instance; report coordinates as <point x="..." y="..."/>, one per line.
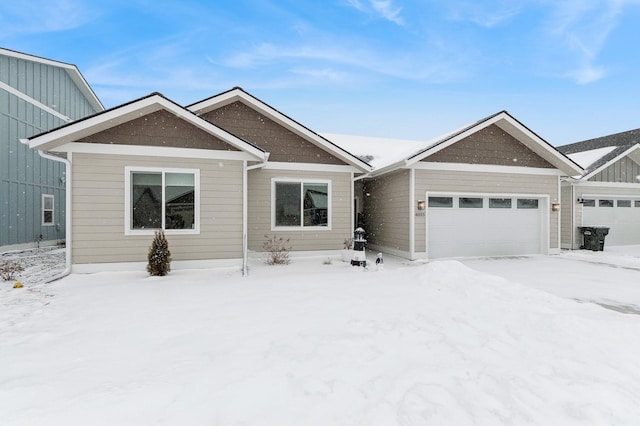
<point x="610" y="278"/>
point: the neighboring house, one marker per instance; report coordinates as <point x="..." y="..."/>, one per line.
<point x="607" y="193"/>
<point x="36" y="95"/>
<point x="217" y="177"/>
<point x="491" y="188"/>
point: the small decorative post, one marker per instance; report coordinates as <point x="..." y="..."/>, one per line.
<point x="359" y="254"/>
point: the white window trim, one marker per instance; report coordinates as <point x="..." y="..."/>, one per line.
<point x="301" y="227"/>
<point x="127" y="201"/>
<point x="52" y="209"/>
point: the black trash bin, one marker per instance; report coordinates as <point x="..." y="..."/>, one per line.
<point x="593" y="237"/>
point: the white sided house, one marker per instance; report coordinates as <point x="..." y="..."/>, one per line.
<point x="153" y="164"/>
<point x="488" y="189"/>
<point x="607" y="194"/>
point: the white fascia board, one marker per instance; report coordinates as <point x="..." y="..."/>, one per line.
<point x="587" y="184"/>
<point x="610" y="162"/>
<point x="288" y="123"/>
<point x="153" y="151"/>
<point x="74" y="131"/>
<point x="312" y="167"/>
<point x="486" y="168"/>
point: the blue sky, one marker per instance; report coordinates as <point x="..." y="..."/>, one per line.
<point x="414" y="69"/>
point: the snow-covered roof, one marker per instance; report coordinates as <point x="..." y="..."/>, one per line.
<point x="587" y="158"/>
<point x="376" y="151"/>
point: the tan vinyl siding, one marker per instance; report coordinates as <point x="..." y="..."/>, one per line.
<point x="259" y="183"/>
<point x="624" y="170"/>
<point x="490" y="145"/>
<point x="387" y="207"/>
<point x="567" y="207"/>
<point x="98" y="210"/>
<point x="481" y="182"/>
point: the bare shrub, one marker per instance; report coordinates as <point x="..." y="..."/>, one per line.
<point x="276" y="250"/>
<point x="10" y="269"/>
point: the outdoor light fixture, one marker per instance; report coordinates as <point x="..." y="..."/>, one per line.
<point x="421" y="205"/>
<point x="555" y="207"/>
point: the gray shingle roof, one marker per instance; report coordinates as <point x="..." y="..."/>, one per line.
<point x="622" y="141"/>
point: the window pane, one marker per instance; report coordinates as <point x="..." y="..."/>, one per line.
<point x="48" y="203"/>
<point x="440" y="202"/>
<point x="287" y="204"/>
<point x="589" y="203"/>
<point x="180" y="204"/>
<point x="527" y="203"/>
<point x="47" y="217"/>
<point x="605" y="203"/>
<point x="636" y="203"/>
<point x="146" y="200"/>
<point x="470" y="203"/>
<point x="500" y="203"/>
<point x="316" y="204"/>
<point x="624" y="203"/>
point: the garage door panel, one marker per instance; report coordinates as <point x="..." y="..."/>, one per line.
<point x="459" y="232"/>
<point x="623" y="223"/>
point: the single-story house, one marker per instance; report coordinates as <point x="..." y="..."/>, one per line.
<point x="607" y="193"/>
<point x="490" y="188"/>
<point x="217" y="177"/>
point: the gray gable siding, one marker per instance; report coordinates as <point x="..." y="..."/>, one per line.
<point x="282" y="144"/>
<point x="624" y="170"/>
<point x="24" y="175"/>
<point x="491" y="145"/>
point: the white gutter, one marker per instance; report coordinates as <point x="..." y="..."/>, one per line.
<point x="245" y="212"/>
<point x="412" y="215"/>
<point x="67" y="164"/>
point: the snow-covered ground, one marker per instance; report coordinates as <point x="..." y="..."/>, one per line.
<point x="441" y="343"/>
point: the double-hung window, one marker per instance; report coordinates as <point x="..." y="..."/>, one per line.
<point x="301" y="204"/>
<point x="47" y="209"/>
<point x="162" y="199"/>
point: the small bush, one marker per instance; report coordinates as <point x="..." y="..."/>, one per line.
<point x="348" y="243"/>
<point x="276" y="250"/>
<point x="10" y="269"/>
<point x="159" y="256"/>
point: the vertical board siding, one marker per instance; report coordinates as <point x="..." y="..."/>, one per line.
<point x="480" y="182"/>
<point x="24" y="174"/>
<point x="259" y="210"/>
<point x="624" y="170"/>
<point x="98" y="210"/>
<point x="387" y="210"/>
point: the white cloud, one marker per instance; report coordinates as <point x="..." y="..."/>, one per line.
<point x="382" y="8"/>
<point x="583" y="28"/>
<point x="587" y="74"/>
<point x="43" y="16"/>
<point x="486" y="14"/>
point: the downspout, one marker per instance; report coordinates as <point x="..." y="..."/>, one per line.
<point x="412" y="216"/>
<point x="573" y="216"/>
<point x="245" y="212"/>
<point x="68" y="235"/>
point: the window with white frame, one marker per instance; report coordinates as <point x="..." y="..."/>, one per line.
<point x="47" y="209"/>
<point x="162" y="199"/>
<point x="301" y="203"/>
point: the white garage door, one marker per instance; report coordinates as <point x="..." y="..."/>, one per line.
<point x="471" y="225"/>
<point x="620" y="215"/>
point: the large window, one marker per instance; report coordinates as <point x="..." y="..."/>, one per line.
<point x="301" y="204"/>
<point x="47" y="209"/>
<point x="159" y="199"/>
